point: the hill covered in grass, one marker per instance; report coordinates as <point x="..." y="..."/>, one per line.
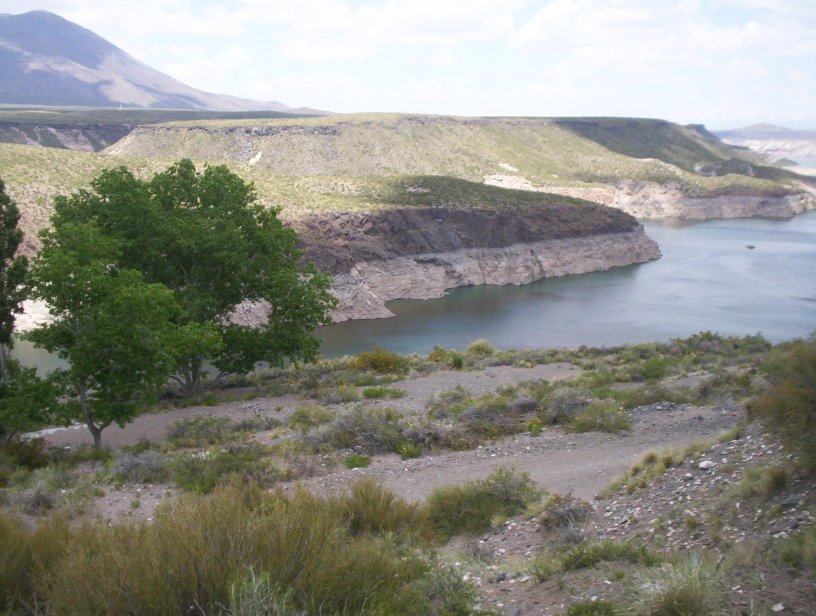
<point x="546" y="152"/>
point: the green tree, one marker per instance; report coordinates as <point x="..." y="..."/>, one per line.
<point x="110" y="326"/>
<point x="203" y="235"/>
<point x="12" y="274"/>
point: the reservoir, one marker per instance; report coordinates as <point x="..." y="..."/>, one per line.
<point x="707" y="279"/>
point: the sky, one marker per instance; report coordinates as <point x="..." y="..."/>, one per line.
<point x="724" y="63"/>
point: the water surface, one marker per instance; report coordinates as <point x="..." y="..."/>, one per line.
<point x="707" y="279"/>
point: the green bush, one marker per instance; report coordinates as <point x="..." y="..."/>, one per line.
<point x="788" y="407"/>
<point x="370" y="508"/>
<point x="200" y="431"/>
<point x="148" y="466"/>
<point x="470" y="507"/>
<point x="203" y="471"/>
<point x="372" y="430"/>
<point x="691" y="588"/>
<point x="239" y="549"/>
<point x="339" y="394"/>
<point x="592" y="608"/>
<point x="310" y="416"/>
<point x="799" y="550"/>
<point x="564" y="510"/>
<point x="380" y="360"/>
<point x="587" y="554"/>
<point x="29" y="453"/>
<point x="24" y="555"/>
<point x="765" y="482"/>
<point x="356" y="460"/>
<point x="376" y="393"/>
<point x="601" y="416"/>
<point x="408" y="450"/>
<point x="480" y="348"/>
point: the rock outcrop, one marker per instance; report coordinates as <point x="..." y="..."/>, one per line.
<point x="415" y="253"/>
<point x="650" y="200"/>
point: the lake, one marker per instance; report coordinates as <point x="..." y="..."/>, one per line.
<point x="707" y="279"/>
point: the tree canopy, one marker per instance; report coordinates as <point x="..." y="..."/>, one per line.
<point x="111" y="326"/>
<point x="12" y="271"/>
<point x="203" y="235"/>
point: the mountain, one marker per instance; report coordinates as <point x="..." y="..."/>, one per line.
<point x="48" y="60"/>
<point x="765" y="131"/>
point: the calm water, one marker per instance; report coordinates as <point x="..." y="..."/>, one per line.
<point x="706" y="280"/>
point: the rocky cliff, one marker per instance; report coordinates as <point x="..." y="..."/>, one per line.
<point x="419" y="253"/>
<point x="651" y="200"/>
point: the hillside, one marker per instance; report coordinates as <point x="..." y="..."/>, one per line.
<point x="591" y="482"/>
<point x="48" y="60"/>
<point x="545" y="152"/>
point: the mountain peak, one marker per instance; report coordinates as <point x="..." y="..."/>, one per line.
<point x="46" y="59"/>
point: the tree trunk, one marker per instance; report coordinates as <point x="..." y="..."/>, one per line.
<point x="192" y="378"/>
<point x="96" y="432"/>
<point x="2" y="363"/>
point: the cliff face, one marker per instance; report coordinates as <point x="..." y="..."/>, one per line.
<point x="651" y="200"/>
<point x="419" y="253"/>
<point x="83" y="137"/>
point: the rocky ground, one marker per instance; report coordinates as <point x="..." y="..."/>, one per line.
<point x="704" y="505"/>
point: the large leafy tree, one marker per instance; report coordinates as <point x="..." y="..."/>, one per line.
<point x="12" y="273"/>
<point x="203" y="235"/>
<point x="112" y="328"/>
<point x="25" y="400"/>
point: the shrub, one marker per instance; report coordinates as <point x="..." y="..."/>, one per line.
<point x="470" y="507"/>
<point x="239" y="547"/>
<point x="480" y="348"/>
<point x="380" y="360"/>
<point x="451" y="359"/>
<point x="601" y="416"/>
<point x="799" y="550"/>
<point x="257" y="423"/>
<point x="356" y="460"/>
<point x="370" y="508"/>
<point x="254" y="595"/>
<point x="29" y="453"/>
<point x="339" y="394"/>
<point x="306" y="417"/>
<point x="565" y="403"/>
<point x="534" y="427"/>
<point x="199" y="431"/>
<point x="372" y="430"/>
<point x="376" y="393"/>
<point x="764" y="482"/>
<point x="564" y="510"/>
<point x="408" y="450"/>
<point x="203" y="471"/>
<point x="788" y="407"/>
<point x="26" y="552"/>
<point x="690" y="588"/>
<point x="149" y="466"/>
<point x="592" y="608"/>
<point x="588" y="554"/>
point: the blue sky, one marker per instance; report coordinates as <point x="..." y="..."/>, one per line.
<point x="724" y="63"/>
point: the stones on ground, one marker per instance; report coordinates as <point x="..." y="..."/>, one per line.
<point x="706" y="465"/>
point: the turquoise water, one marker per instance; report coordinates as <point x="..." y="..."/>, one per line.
<point x="707" y="279"/>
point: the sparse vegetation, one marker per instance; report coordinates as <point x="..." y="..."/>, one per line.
<point x="690" y="587"/>
<point x="470" y="507"/>
<point x="601" y="416"/>
<point x="788" y="407"/>
<point x="381" y="360"/>
<point x="239" y="548"/>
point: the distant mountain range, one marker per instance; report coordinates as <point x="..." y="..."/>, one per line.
<point x="48" y="60"/>
<point x="765" y="131"/>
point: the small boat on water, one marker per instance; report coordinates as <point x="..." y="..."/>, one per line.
<point x="750" y="246"/>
